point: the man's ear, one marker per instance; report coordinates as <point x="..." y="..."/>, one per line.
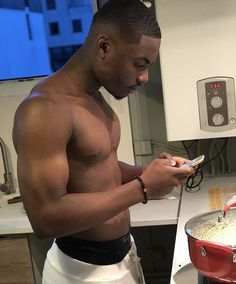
<point x="103" y="45"/>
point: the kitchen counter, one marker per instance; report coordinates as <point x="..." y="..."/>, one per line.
<point x="156" y="212"/>
<point x="13" y="219"/>
<point x="193" y="204"/>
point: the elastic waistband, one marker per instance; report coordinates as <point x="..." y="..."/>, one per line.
<point x="60" y="268"/>
<point x="95" y="252"/>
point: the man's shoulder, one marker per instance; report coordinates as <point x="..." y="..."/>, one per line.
<point x="43" y="97"/>
<point x="44" y="105"/>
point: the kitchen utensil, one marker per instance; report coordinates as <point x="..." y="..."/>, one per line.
<point x="212" y="243"/>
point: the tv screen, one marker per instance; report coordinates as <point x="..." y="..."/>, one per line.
<point x="39" y="36"/>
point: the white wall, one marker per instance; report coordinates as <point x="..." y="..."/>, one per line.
<point x="11" y="95"/>
<point x="121" y="107"/>
<point x="199" y="41"/>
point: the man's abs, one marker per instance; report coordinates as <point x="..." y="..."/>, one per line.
<point x="98" y="175"/>
<point x="112" y="229"/>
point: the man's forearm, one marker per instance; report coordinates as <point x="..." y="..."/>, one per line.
<point x="128" y="172"/>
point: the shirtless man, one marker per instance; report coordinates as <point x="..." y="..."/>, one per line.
<point x="66" y="136"/>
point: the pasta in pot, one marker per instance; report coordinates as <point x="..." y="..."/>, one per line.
<point x="223" y="232"/>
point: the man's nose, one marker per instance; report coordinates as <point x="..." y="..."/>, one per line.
<point x="143" y="77"/>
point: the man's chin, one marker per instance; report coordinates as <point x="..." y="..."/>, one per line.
<point x="121" y="96"/>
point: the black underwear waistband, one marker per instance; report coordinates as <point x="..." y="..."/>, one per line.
<point x="95" y="252"/>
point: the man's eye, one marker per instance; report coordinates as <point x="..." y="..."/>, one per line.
<point x="140" y="66"/>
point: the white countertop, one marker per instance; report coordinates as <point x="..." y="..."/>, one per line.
<point x="156" y="212"/>
<point x="193" y="204"/>
<point x="13" y="219"/>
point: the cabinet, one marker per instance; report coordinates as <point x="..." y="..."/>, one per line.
<point x="155" y="246"/>
<point x="15" y="264"/>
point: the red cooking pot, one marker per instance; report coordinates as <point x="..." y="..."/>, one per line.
<point x="212" y="243"/>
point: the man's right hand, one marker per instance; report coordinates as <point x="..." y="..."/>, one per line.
<point x="160" y="177"/>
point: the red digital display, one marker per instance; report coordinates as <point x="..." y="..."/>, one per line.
<point x="215" y="85"/>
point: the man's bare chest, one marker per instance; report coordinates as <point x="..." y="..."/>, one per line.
<point x="96" y="133"/>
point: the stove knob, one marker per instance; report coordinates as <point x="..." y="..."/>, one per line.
<point x="218" y="119"/>
<point x="216" y="102"/>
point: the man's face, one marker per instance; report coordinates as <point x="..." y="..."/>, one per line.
<point x="127" y="66"/>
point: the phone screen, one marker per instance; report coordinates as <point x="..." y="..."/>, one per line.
<point x="194" y="162"/>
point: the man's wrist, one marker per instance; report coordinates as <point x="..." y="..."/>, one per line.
<point x="143" y="188"/>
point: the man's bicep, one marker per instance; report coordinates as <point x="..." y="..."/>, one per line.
<point x="42" y="161"/>
<point x="42" y="181"/>
<point x="41" y="158"/>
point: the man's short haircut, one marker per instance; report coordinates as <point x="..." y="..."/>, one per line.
<point x="131" y="18"/>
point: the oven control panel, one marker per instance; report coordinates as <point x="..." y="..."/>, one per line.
<point x="216" y="102"/>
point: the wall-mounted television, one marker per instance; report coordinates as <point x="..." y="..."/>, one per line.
<point x="39" y="36"/>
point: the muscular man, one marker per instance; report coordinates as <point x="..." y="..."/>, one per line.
<point x="66" y="136"/>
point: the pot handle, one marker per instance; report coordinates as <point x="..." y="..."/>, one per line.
<point x="205" y="244"/>
<point x="230" y="203"/>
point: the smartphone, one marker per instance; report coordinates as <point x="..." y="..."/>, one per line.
<point x="194" y="162"/>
